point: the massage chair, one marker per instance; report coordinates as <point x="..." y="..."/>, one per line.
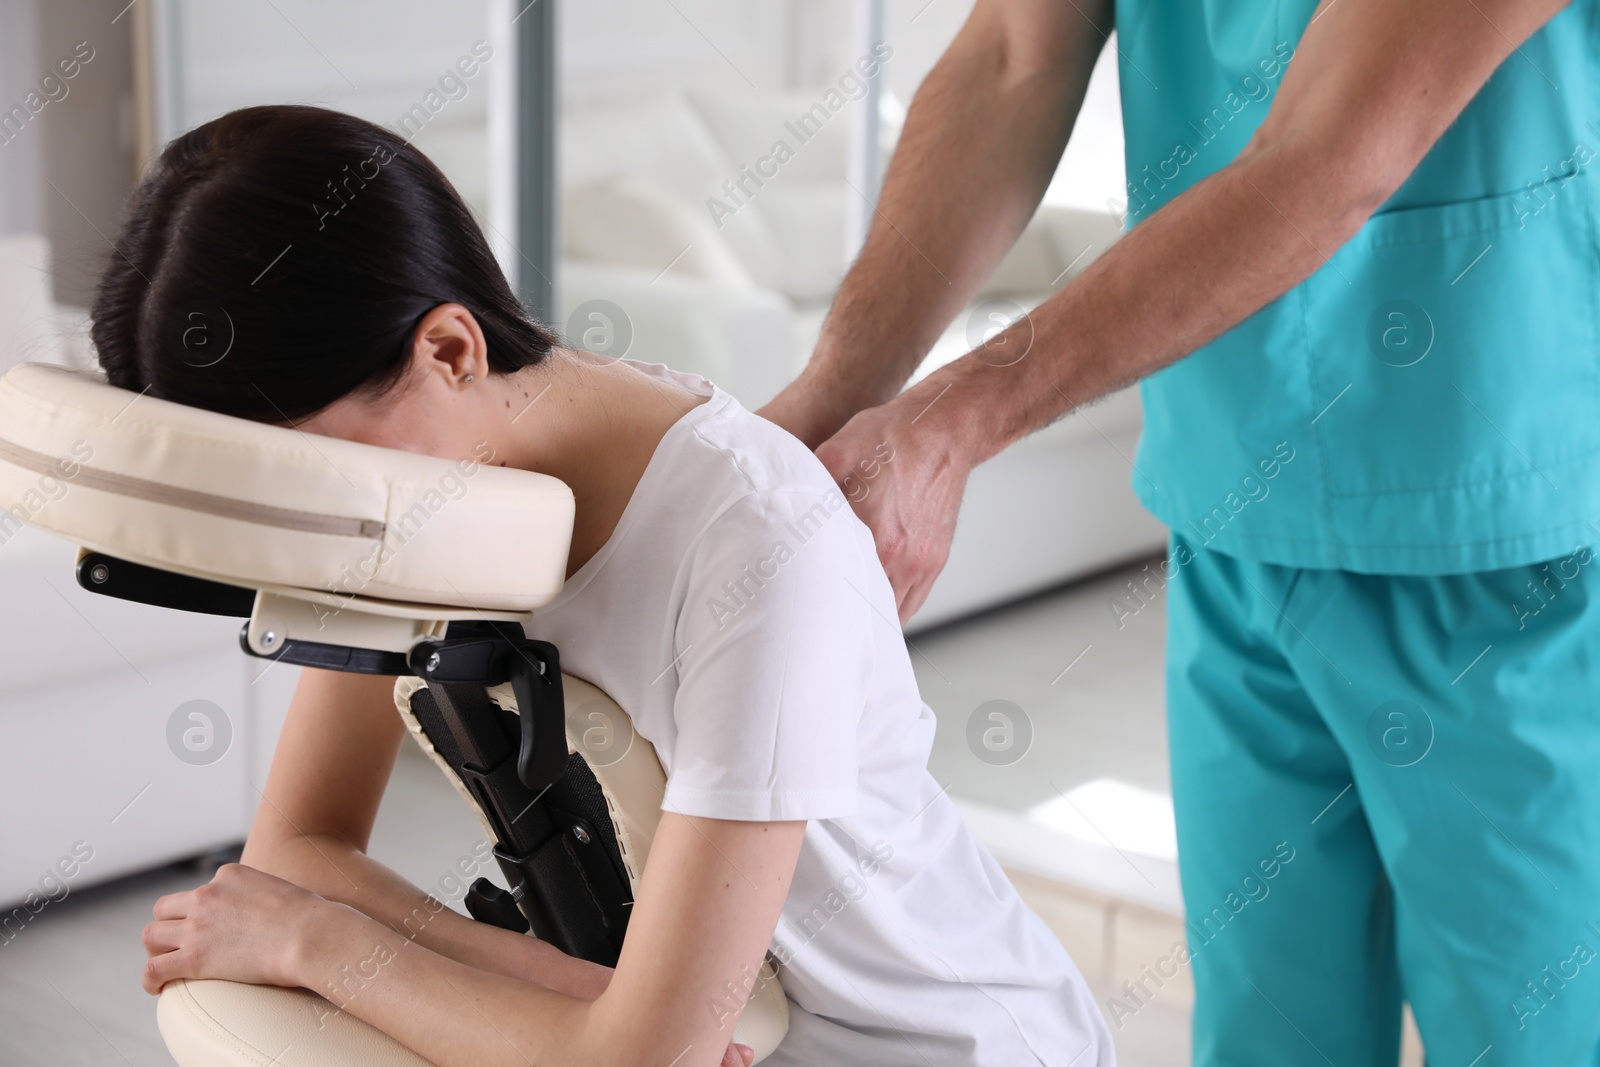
<point x="351" y="557"/>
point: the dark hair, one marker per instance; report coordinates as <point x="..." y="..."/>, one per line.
<point x="279" y="258"/>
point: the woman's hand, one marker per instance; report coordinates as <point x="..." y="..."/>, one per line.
<point x="243" y="925"/>
<point x="247" y="926"/>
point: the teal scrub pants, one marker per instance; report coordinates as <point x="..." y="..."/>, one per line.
<point x="1388" y="788"/>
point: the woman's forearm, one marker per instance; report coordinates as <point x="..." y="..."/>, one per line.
<point x="337" y="871"/>
<point x="696" y="926"/>
<point x="449" y="1012"/>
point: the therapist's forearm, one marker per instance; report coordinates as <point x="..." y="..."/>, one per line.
<point x="338" y="871"/>
<point x="981" y="141"/>
<point x="1197" y="267"/>
<point x="1347" y="128"/>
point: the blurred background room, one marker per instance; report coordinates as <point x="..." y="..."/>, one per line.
<point x="623" y="158"/>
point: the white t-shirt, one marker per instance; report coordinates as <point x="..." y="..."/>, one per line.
<point x="740" y="615"/>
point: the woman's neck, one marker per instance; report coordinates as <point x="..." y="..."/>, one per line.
<point x="593" y="423"/>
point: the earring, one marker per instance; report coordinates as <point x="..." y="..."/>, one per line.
<point x="469" y="379"/>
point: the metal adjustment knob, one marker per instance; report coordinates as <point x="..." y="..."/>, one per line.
<point x="489" y="903"/>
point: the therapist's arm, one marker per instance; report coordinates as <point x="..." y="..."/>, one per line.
<point x="1371" y="86"/>
<point x="981" y="141"/>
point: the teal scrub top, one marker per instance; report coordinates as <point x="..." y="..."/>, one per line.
<point x="1427" y="402"/>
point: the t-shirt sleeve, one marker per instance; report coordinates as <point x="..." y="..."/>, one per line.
<point x="775" y="660"/>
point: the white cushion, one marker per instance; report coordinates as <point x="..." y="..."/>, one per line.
<point x="658" y="135"/>
<point x="209" y="1023"/>
<point x="633" y="222"/>
<point x="1058" y="243"/>
<point x="808" y="222"/>
<point x="239" y="501"/>
<point x="804" y="204"/>
<point x="746" y="126"/>
<point x="663" y="138"/>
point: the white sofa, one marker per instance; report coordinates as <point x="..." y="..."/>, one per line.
<point x="740" y="297"/>
<point x="88" y="686"/>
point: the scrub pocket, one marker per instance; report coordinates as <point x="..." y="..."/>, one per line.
<point x="1463" y="356"/>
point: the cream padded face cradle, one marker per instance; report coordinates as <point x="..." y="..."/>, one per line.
<point x="289" y="523"/>
<point x="253" y="504"/>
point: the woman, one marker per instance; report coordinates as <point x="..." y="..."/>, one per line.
<point x="305" y="268"/>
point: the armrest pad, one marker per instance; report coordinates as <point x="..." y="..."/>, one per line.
<point x="229" y="1024"/>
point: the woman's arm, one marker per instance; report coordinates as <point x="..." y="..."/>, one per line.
<point x="333" y="760"/>
<point x="707" y="907"/>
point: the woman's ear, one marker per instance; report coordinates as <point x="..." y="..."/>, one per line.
<point x="448" y="343"/>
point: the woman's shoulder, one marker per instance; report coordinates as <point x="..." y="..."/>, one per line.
<point x="727" y="452"/>
<point x="725" y="480"/>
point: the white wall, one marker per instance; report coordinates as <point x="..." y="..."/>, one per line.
<point x="81" y="143"/>
<point x="1091" y="171"/>
<point x="618" y="48"/>
<point x="375" y="59"/>
<point x="20" y="159"/>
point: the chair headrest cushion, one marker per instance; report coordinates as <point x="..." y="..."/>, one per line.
<point x="244" y="502"/>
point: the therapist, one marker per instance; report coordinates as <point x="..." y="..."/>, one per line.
<point x="1361" y="287"/>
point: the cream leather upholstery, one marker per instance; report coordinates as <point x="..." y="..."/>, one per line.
<point x="212" y="1024"/>
<point x="225" y="1024"/>
<point x="264" y="506"/>
<point x="395" y="543"/>
<point x="629" y="773"/>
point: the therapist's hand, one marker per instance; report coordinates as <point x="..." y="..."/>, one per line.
<point x="905" y="477"/>
<point x="813" y="411"/>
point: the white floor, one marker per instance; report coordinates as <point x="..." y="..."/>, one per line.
<point x="1087" y="682"/>
<point x="1093" y="693"/>
<point x="69" y="984"/>
<point x="1089" y="689"/>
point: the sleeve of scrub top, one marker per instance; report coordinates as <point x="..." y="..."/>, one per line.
<point x="775" y="662"/>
